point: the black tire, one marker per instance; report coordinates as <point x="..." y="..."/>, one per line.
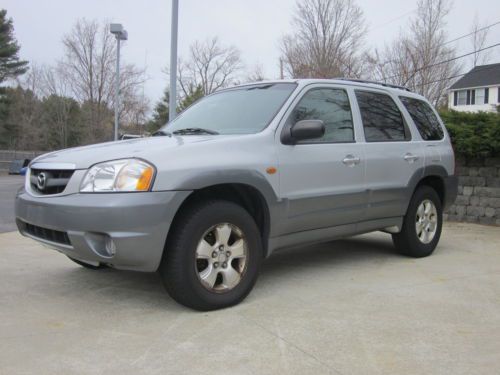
<point x="178" y="270"/>
<point x="407" y="241"/>
<point x="87" y="265"/>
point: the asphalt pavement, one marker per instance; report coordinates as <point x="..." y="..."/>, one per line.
<point x="9" y="184"/>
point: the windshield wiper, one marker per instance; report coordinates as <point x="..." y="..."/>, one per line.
<point x="160" y="133"/>
<point x="195" y="131"/>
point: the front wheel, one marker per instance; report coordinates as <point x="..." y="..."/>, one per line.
<point x="212" y="256"/>
<point x="422" y="224"/>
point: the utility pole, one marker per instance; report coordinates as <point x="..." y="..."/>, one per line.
<point x="117" y="88"/>
<point x="172" y="102"/>
<point x="121" y="34"/>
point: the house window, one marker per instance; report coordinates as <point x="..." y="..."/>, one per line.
<point x="462" y="97"/>
<point x="471" y="97"/>
<point x="480" y="96"/>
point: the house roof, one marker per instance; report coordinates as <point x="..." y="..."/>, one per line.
<point x="482" y="75"/>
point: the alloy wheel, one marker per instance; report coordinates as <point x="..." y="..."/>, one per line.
<point x="426" y="222"/>
<point x="221" y="257"/>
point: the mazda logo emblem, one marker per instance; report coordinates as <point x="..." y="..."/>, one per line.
<point x="41" y="181"/>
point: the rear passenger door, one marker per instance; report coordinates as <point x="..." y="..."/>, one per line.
<point x="391" y="156"/>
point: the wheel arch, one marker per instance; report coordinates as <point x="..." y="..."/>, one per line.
<point x="433" y="176"/>
<point x="248" y="189"/>
<point x="435" y="182"/>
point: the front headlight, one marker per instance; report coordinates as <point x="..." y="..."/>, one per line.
<point x="124" y="175"/>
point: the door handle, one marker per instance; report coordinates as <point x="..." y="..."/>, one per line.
<point x="410" y="158"/>
<point x="351" y="160"/>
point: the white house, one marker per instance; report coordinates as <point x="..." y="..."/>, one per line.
<point x="478" y="90"/>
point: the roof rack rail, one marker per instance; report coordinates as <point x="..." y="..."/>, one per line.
<point x="374" y="83"/>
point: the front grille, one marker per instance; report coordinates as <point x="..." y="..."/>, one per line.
<point x="47" y="234"/>
<point x="47" y="182"/>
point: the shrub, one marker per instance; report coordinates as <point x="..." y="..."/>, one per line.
<point x="474" y="135"/>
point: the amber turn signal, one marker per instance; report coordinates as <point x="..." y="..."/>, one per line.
<point x="271" y="170"/>
<point x="144" y="181"/>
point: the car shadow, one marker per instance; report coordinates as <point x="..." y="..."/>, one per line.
<point x="328" y="256"/>
<point x="338" y="252"/>
<point x="146" y="289"/>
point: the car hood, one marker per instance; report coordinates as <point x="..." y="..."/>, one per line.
<point x="151" y="149"/>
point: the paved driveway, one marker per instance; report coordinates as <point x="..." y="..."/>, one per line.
<point x="346" y="307"/>
<point x="8" y="187"/>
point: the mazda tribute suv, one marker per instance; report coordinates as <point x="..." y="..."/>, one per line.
<point x="241" y="173"/>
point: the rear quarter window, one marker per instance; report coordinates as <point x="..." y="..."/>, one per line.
<point x="424" y="118"/>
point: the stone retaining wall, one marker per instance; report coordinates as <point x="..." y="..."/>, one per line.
<point x="478" y="198"/>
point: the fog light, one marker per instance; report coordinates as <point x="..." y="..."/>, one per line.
<point x="110" y="246"/>
<point x="101" y="243"/>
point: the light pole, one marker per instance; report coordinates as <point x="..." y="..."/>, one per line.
<point x="121" y="34"/>
<point x="173" y="61"/>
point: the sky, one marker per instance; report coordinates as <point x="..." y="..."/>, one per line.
<point x="253" y="26"/>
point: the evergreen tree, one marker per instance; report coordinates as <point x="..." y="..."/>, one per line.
<point x="160" y="113"/>
<point x="19" y="129"/>
<point x="193" y="95"/>
<point x="10" y="65"/>
<point x="161" y="110"/>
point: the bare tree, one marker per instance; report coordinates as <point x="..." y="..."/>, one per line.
<point x="256" y="74"/>
<point x="134" y="112"/>
<point x="33" y="81"/>
<point x="27" y="109"/>
<point x="89" y="68"/>
<point x="327" y="41"/>
<point x="210" y="66"/>
<point x="479" y="37"/>
<point x="55" y="86"/>
<point x="420" y="59"/>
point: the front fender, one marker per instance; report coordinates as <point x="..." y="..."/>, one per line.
<point x="251" y="178"/>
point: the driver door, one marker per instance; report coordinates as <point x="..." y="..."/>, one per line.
<point x="322" y="180"/>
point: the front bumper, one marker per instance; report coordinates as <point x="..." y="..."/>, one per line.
<point x="137" y="224"/>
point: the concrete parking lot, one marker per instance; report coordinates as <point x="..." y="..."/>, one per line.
<point x="345" y="307"/>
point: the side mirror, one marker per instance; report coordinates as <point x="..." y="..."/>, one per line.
<point x="302" y="130"/>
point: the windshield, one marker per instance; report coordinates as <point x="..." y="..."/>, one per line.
<point x="243" y="110"/>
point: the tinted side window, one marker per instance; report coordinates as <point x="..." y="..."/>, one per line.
<point x="332" y="107"/>
<point x="424" y="118"/>
<point x="382" y="120"/>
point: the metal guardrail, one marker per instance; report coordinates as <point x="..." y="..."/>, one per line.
<point x="7" y="156"/>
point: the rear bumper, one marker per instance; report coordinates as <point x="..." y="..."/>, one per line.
<point x="136" y="223"/>
<point x="450" y="191"/>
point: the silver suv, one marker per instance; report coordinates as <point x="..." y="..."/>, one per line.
<point x="244" y="172"/>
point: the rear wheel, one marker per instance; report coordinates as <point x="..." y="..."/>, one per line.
<point x="97" y="266"/>
<point x="422" y="224"/>
<point x="212" y="256"/>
